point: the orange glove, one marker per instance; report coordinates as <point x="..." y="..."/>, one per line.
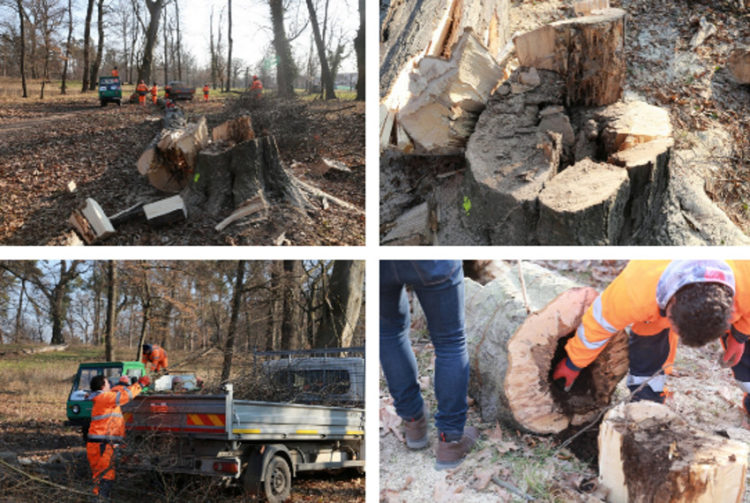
<point x="144" y="381"/>
<point x="566" y="370"/>
<point x="733" y="350"/>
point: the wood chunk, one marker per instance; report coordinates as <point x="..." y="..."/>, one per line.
<point x="411" y="228"/>
<point x="583" y="205"/>
<point x="251" y="206"/>
<point x="387" y="117"/>
<point x="624" y="125"/>
<point x="166" y="211"/>
<point x="588" y="52"/>
<point x="91" y="222"/>
<point x="511" y="352"/>
<point x="235" y="130"/>
<point x="647" y="452"/>
<point x="448" y="95"/>
<point x="739" y="64"/>
<point x="586" y="7"/>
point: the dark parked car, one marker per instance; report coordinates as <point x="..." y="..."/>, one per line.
<point x="176" y="90"/>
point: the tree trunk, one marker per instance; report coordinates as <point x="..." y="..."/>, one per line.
<point x="86" y="44"/>
<point x="179" y="40"/>
<point x="19" y="5"/>
<point x="285" y="70"/>
<point x="229" y="48"/>
<point x="291" y="320"/>
<point x="154" y="9"/>
<point x="342" y="303"/>
<point x="276" y="304"/>
<point x="94" y="84"/>
<point x="325" y="71"/>
<point x="648" y="453"/>
<point x="232" y="331"/>
<point x="212" y="49"/>
<point x="63" y="86"/>
<point x="359" y="49"/>
<point x="512" y="352"/>
<point x="588" y="52"/>
<point x="109" y="334"/>
<point x="165" y="31"/>
<point x="19" y="311"/>
<point x="147" y="304"/>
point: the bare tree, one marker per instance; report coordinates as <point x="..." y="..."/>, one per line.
<point x="211" y="48"/>
<point x="343" y="301"/>
<point x="179" y="39"/>
<point x="359" y="48"/>
<point x="291" y="319"/>
<point x="231" y="332"/>
<point x="165" y="32"/>
<point x="111" y="309"/>
<point x="325" y="71"/>
<point x="86" y="43"/>
<point x="229" y="44"/>
<point x="99" y="46"/>
<point x="154" y="9"/>
<point x="63" y="87"/>
<point x="22" y="41"/>
<point x="285" y="69"/>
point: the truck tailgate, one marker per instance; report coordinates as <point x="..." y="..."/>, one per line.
<point x="188" y="414"/>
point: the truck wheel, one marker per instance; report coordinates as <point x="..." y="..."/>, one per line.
<point x="277" y="485"/>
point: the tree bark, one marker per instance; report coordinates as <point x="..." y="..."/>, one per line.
<point x="325" y="71"/>
<point x="86" y="43"/>
<point x="179" y="40"/>
<point x="19" y="311"/>
<point x="109" y="334"/>
<point x="63" y="85"/>
<point x="342" y="303"/>
<point x="232" y="331"/>
<point x="154" y="9"/>
<point x="165" y="32"/>
<point x="212" y="50"/>
<point x="229" y="44"/>
<point x="275" y="307"/>
<point x="285" y="69"/>
<point x="93" y="85"/>
<point x="359" y="49"/>
<point x="58" y="299"/>
<point x="147" y="303"/>
<point x="291" y="320"/>
<point x="19" y="5"/>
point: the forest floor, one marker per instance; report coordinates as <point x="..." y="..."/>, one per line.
<point x="703" y="393"/>
<point x="69" y="142"/>
<point x="710" y="113"/>
<point x="37" y="450"/>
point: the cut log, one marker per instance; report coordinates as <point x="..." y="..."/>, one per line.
<point x="447" y="96"/>
<point x="411" y="228"/>
<point x="739" y="64"/>
<point x="584" y="205"/>
<point x="648" y="453"/>
<point x="91" y="222"/>
<point x="588" y="52"/>
<point x="586" y="7"/>
<point x="509" y="159"/>
<point x="171" y="156"/>
<point x="166" y="211"/>
<point x="227" y="177"/>
<point x="512" y="354"/>
<point x="234" y="130"/>
<point x="624" y="125"/>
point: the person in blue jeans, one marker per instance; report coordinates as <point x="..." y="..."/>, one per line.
<point x="439" y="286"/>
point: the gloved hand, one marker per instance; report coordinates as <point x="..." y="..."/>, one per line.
<point x="566" y="370"/>
<point x="733" y="350"/>
<point x="144" y="381"/>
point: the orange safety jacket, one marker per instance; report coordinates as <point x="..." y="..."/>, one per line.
<point x="154" y="90"/>
<point x="638" y="298"/>
<point x="142" y="89"/>
<point x="157" y="358"/>
<point x="205" y="89"/>
<point x="115" y="73"/>
<point x="256" y="85"/>
<point x="107" y="422"/>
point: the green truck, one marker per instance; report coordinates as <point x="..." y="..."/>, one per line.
<point x="78" y="407"/>
<point x="110" y="90"/>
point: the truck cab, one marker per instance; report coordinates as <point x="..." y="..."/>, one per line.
<point x="110" y="90"/>
<point x="78" y="407"/>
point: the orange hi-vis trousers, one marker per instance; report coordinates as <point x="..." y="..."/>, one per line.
<point x="100" y="456"/>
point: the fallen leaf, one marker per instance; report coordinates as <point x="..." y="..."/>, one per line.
<point x="482" y="478"/>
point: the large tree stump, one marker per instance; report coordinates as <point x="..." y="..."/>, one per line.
<point x="512" y="353"/>
<point x="227" y="177"/>
<point x="171" y="156"/>
<point x="739" y="64"/>
<point x="589" y="52"/>
<point x="584" y="205"/>
<point x="649" y="453"/>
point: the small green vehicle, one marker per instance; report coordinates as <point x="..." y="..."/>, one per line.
<point x="79" y="407"/>
<point x="110" y="90"/>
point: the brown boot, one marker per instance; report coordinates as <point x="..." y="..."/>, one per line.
<point x="416" y="432"/>
<point x="451" y="454"/>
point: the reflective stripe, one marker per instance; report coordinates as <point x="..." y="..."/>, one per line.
<point x="745" y="386"/>
<point x="117" y="399"/>
<point x="597" y="309"/>
<point x="130" y="393"/>
<point x="656" y="383"/>
<point x="589" y="345"/>
<point x="104" y="438"/>
<point x="105" y="416"/>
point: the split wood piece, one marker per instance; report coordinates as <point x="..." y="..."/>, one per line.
<point x="325" y="196"/>
<point x="387" y="117"/>
<point x="249" y="207"/>
<point x="624" y="125"/>
<point x="509" y="159"/>
<point x="447" y="95"/>
<point x="586" y="7"/>
<point x="234" y="130"/>
<point x="91" y="222"/>
<point x="512" y="353"/>
<point x="411" y="30"/>
<point x="166" y="211"/>
<point x="584" y="205"/>
<point x="410" y="228"/>
<point x="588" y="52"/>
<point x="647" y="452"/>
<point x="739" y="64"/>
<point x="227" y="177"/>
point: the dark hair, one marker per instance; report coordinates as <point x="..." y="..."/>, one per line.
<point x="700" y="312"/>
<point x="97" y="382"/>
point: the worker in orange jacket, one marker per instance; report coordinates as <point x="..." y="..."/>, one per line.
<point x="156" y="356"/>
<point x="142" y="90"/>
<point x="122" y="383"/>
<point x="115" y="73"/>
<point x="107" y="429"/>
<point x="256" y="88"/>
<point x="694" y="301"/>
<point x="205" y="92"/>
<point x="154" y="91"/>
